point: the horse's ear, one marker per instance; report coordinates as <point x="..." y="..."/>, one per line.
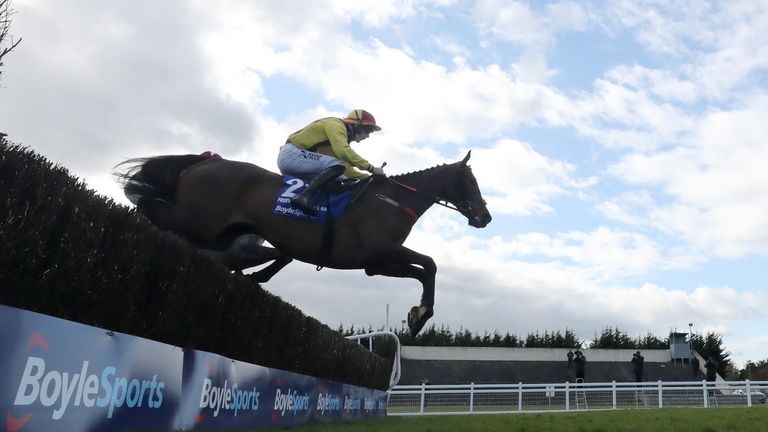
<point x="466" y="158"/>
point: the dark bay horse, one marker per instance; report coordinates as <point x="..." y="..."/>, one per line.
<point x="225" y="208"/>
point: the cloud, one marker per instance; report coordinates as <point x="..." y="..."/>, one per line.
<point x="601" y="256"/>
<point x="715" y="179"/>
<point x="571" y="275"/>
<point x="623" y="208"/>
<point x="532" y="32"/>
<point x="694" y="32"/>
<point x="521" y="181"/>
<point x="623" y="114"/>
<point x="98" y="83"/>
<point x="516" y="22"/>
<point x="453" y="105"/>
<point x="512" y="21"/>
<point x="456" y="103"/>
<point x="451" y="45"/>
<point x="637" y="107"/>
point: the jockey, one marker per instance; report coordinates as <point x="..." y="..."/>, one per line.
<point x="321" y="152"/>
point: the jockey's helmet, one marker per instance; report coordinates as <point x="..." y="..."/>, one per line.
<point x="362" y="117"/>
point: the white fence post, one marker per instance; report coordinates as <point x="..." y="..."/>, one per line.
<point x="567" y="396"/>
<point x="613" y="391"/>
<point x="520" y="396"/>
<point x="749" y="394"/>
<point x="471" y="397"/>
<point x="421" y="404"/>
<point x="661" y="404"/>
<point x="706" y="393"/>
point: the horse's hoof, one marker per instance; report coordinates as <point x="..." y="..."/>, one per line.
<point x="417" y="317"/>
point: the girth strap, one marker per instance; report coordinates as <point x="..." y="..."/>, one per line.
<point x="326" y="242"/>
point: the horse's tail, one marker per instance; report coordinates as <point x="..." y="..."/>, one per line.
<point x="153" y="178"/>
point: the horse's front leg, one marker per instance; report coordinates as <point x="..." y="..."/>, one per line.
<point x="403" y="262"/>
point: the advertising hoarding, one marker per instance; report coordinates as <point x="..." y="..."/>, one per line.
<point x="59" y="375"/>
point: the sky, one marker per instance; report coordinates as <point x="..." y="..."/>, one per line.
<point x="620" y="144"/>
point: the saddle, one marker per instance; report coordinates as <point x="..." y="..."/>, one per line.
<point x="331" y="200"/>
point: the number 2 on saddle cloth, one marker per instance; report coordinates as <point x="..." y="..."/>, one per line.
<point x="329" y="206"/>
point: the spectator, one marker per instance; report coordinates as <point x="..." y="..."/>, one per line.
<point x="637" y="363"/>
<point x="579" y="362"/>
<point x="711" y="367"/>
<point x="570" y="358"/>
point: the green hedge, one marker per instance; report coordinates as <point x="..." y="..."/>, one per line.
<point x="67" y="252"/>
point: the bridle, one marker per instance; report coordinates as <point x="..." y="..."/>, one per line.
<point x="463" y="207"/>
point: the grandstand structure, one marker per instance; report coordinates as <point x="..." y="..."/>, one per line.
<point x="487" y="365"/>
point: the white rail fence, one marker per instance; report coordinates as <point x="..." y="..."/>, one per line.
<point x="511" y="398"/>
<point x="394" y="377"/>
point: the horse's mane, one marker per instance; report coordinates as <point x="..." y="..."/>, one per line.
<point x="425" y="170"/>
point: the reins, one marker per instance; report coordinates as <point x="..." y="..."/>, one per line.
<point x="435" y="199"/>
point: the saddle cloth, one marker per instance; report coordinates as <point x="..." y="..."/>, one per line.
<point x="327" y="203"/>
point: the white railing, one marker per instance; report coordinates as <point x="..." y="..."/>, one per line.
<point x="508" y="398"/>
<point x="394" y="377"/>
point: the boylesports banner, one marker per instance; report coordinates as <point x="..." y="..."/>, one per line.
<point x="57" y="375"/>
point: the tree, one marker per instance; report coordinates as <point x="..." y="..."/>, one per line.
<point x="650" y="341"/>
<point x="496" y="340"/>
<point x="612" y="338"/>
<point x="711" y="345"/>
<point x="570" y="340"/>
<point x="5" y="27"/>
<point x="462" y="338"/>
<point x="755" y="371"/>
<point x="552" y="339"/>
<point x="533" y="340"/>
<point x="510" y="341"/>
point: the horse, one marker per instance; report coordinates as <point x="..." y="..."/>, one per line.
<point x="224" y="207"/>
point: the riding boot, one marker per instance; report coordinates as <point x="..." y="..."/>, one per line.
<point x="303" y="200"/>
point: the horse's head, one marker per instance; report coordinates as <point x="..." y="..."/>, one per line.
<point x="466" y="195"/>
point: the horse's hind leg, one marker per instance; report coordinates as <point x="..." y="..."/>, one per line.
<point x="248" y="251"/>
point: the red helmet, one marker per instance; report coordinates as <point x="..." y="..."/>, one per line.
<point x="362" y="117"/>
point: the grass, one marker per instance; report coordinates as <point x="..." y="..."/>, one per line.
<point x="636" y="420"/>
